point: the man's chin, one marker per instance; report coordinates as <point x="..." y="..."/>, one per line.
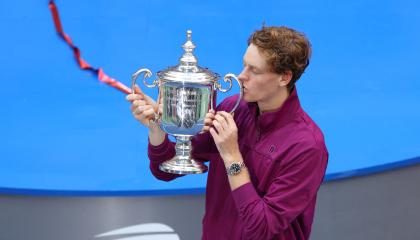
<point x="246" y="98"/>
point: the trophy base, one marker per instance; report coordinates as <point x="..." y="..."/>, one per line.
<point x="180" y="165"/>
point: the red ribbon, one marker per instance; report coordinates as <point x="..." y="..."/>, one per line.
<point x="82" y="63"/>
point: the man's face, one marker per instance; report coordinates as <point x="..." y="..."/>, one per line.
<point x="259" y="83"/>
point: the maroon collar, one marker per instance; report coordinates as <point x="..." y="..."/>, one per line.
<point x="281" y="116"/>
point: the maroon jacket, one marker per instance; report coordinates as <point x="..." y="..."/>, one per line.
<point x="286" y="157"/>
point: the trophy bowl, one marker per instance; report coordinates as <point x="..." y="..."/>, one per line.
<point x="187" y="92"/>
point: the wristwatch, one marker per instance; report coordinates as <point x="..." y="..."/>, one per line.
<point x="235" y="168"/>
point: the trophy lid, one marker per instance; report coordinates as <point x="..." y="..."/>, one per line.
<point x="187" y="69"/>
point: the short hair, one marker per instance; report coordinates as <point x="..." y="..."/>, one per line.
<point x="284" y="50"/>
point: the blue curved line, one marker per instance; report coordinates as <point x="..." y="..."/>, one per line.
<point x="372" y="170"/>
<point x="197" y="191"/>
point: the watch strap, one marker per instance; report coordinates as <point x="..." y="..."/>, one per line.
<point x="235" y="168"/>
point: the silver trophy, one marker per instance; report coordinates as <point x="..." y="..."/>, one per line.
<point x="187" y="92"/>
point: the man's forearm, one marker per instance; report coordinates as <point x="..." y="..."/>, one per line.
<point x="156" y="135"/>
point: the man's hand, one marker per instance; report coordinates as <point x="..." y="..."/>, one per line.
<point x="143" y="107"/>
<point x="208" y="121"/>
<point x="225" y="135"/>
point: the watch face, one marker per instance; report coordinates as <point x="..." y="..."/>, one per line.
<point x="235" y="168"/>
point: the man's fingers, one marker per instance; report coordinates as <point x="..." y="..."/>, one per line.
<point x="221" y="119"/>
<point x="149" y="113"/>
<point x="218" y="126"/>
<point x="214" y="134"/>
<point x="133" y="97"/>
<point x="227" y="116"/>
<point x="144" y="114"/>
<point x="208" y="121"/>
<point x="224" y="114"/>
<point x="137" y="103"/>
<point x="210" y="115"/>
<point x="205" y="129"/>
<point x="140" y="109"/>
<point x="161" y="108"/>
<point x="150" y="100"/>
<point x="138" y="95"/>
<point x="138" y="90"/>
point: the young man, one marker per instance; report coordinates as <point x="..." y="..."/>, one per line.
<point x="268" y="160"/>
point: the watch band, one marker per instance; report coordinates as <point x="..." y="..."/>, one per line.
<point x="235" y="168"/>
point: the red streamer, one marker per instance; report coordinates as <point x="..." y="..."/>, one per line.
<point x="82" y="63"/>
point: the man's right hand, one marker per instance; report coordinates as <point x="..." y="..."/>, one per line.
<point x="143" y="107"/>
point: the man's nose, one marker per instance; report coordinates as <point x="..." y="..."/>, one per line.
<point x="242" y="76"/>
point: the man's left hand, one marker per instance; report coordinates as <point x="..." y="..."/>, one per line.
<point x="225" y="135"/>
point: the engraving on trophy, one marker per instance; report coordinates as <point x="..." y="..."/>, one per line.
<point x="184" y="109"/>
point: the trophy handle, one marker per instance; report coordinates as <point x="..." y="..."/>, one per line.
<point x="228" y="78"/>
<point x="147" y="74"/>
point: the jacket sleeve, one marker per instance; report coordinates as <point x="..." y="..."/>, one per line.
<point x="166" y="150"/>
<point x="159" y="154"/>
<point x="203" y="147"/>
<point x="288" y="196"/>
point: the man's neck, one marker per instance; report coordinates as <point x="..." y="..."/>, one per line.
<point x="275" y="102"/>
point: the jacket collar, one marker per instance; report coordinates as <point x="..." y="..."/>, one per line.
<point x="283" y="115"/>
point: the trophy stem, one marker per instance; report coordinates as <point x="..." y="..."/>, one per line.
<point x="183" y="163"/>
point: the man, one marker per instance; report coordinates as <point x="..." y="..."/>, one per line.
<point x="268" y="160"/>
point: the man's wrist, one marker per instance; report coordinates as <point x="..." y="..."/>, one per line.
<point x="156" y="136"/>
<point x="228" y="159"/>
<point x="155" y="129"/>
<point x="235" y="168"/>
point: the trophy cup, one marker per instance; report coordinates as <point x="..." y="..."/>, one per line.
<point x="187" y="92"/>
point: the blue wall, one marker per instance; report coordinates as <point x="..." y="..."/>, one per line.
<point x="60" y="129"/>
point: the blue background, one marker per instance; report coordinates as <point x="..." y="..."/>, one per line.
<point x="64" y="132"/>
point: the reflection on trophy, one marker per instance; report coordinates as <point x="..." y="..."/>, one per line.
<point x="188" y="93"/>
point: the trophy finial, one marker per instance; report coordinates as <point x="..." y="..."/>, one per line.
<point x="189" y="32"/>
<point x="188" y="45"/>
<point x="188" y="62"/>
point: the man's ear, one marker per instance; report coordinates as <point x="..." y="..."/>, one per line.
<point x="285" y="78"/>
